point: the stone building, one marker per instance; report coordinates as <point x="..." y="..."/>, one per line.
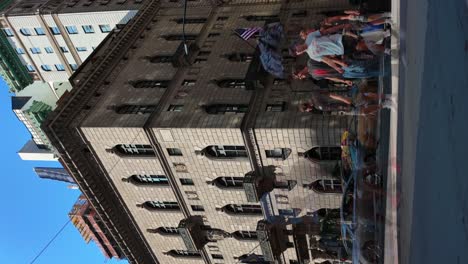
<point x="191" y="158"/>
<point x="90" y="226"/>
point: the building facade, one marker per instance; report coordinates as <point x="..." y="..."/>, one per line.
<point x="90" y="226"/>
<point x="31" y="151"/>
<point x="201" y="158"/>
<point x="32" y="105"/>
<point x="57" y="174"/>
<point x="44" y="42"/>
<point x="52" y="38"/>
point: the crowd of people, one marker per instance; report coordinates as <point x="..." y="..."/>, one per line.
<point x="345" y="49"/>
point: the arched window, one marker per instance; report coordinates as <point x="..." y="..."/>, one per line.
<point x="165" y="230"/>
<point x="326" y="186"/>
<point x="135" y="109"/>
<point x="240" y="57"/>
<point x="232" y="83"/>
<point x="221" y="109"/>
<point x="221" y="151"/>
<point x="134" y="150"/>
<point x="318" y="154"/>
<point x="158" y="205"/>
<point x="183" y="253"/>
<point x="229" y="182"/>
<point x="177" y="37"/>
<point x="150" y="83"/>
<point x="149" y="179"/>
<point x="243" y="209"/>
<point x="161" y="59"/>
<point x="245" y="235"/>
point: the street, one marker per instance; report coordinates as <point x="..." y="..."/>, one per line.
<point x="432" y="132"/>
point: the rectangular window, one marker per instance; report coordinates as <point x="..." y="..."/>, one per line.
<point x="19" y="50"/>
<point x="46" y="67"/>
<point x="217" y="256"/>
<point x="64" y="49"/>
<point x="200" y="60"/>
<point x="88" y="29"/>
<point x="39" y="31"/>
<point x="105" y="28"/>
<point x="30" y="68"/>
<point x="274" y="153"/>
<point x="186" y="181"/>
<point x="36" y="50"/>
<point x="74" y="66"/>
<point x="286" y="212"/>
<point x="8" y="32"/>
<point x="174" y="152"/>
<point x="222" y="18"/>
<point x="204" y="53"/>
<point x="25" y="31"/>
<point x="71" y="29"/>
<point x="175" y="108"/>
<point x="59" y="67"/>
<point x="49" y="50"/>
<point x="189" y="20"/>
<point x="80" y="49"/>
<point x="276" y="107"/>
<point x="198" y="208"/>
<point x="177" y="37"/>
<point x="302" y="13"/>
<point x="55" y="30"/>
<point x="212" y="35"/>
<point x="213" y="248"/>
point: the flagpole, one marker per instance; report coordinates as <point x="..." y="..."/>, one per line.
<point x="183" y="28"/>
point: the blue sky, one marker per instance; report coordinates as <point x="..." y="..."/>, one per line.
<point x="34" y="209"/>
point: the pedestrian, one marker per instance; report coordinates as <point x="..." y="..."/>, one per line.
<point x="364" y="104"/>
<point x="341" y="72"/>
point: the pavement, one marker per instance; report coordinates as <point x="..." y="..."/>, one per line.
<point x="432" y="132"/>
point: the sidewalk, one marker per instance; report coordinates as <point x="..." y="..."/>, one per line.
<point x="391" y="228"/>
<point x="432" y="136"/>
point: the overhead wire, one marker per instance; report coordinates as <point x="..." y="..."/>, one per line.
<point x="50" y="242"/>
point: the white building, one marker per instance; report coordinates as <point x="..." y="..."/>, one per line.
<point x="48" y="40"/>
<point x="52" y="38"/>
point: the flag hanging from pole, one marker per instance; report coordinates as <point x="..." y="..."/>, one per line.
<point x="246" y="33"/>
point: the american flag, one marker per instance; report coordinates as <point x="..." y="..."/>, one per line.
<point x="246" y="33"/>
